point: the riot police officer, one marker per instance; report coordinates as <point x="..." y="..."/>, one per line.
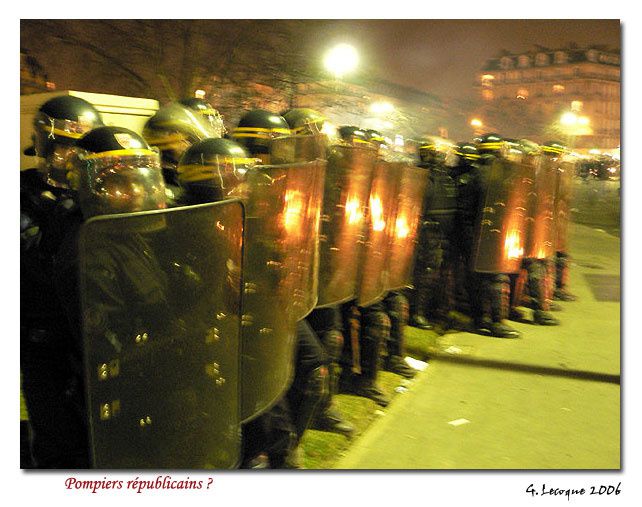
<point x="555" y="153"/>
<point x="326" y="321"/>
<point x="48" y="355"/>
<point x="368" y="328"/>
<point x="433" y="267"/>
<point x="255" y="132"/>
<point x="538" y="247"/>
<point x="484" y="289"/>
<point x="174" y="128"/>
<point x="256" y="129"/>
<point x="207" y="111"/>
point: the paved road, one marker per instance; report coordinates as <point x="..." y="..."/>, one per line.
<point x="550" y="400"/>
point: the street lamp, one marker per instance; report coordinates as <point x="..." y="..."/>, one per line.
<point x="341" y="59"/>
<point x="381" y="107"/>
<point x="477" y="125"/>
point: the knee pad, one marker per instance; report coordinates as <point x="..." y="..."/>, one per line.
<point x="333" y="343"/>
<point x="397" y="305"/>
<point x="318" y="383"/>
<point x="376" y="324"/>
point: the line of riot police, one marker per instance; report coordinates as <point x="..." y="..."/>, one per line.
<point x="194" y="299"/>
<point x="495" y="231"/>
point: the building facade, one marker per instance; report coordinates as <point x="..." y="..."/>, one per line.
<point x="571" y="91"/>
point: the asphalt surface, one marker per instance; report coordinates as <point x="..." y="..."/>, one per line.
<point x="549" y="400"/>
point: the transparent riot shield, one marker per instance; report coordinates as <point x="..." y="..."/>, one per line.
<point x="563" y="195"/>
<point x="405" y="231"/>
<point x="348" y="178"/>
<point x="540" y="227"/>
<point x="499" y="237"/>
<point x="304" y="148"/>
<point x="343" y="221"/>
<point x="160" y="294"/>
<point x="373" y="269"/>
<point x="283" y="204"/>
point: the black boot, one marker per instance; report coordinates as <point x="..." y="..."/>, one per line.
<point x="564" y="295"/>
<point x="396" y="364"/>
<point x="365" y="388"/>
<point x="332" y="420"/>
<point x="544" y="318"/>
<point x="501" y="330"/>
<point x="420" y="322"/>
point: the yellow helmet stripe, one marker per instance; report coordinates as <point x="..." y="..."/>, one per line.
<point x="259" y="136"/>
<point x="223" y="160"/>
<point x="122" y="153"/>
<point x="65" y="133"/>
<point x="261" y="129"/>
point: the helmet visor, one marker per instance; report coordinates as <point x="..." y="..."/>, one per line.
<point x="175" y="122"/>
<point x="55" y="127"/>
<point x="121" y="181"/>
<point x="217" y="176"/>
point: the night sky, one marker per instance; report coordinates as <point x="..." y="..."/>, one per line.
<point x="443" y="56"/>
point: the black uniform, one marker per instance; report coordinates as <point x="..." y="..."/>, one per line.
<point x="49" y="356"/>
<point x="487" y="293"/>
<point x="434" y="264"/>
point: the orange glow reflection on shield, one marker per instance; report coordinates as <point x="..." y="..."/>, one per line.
<point x="376" y="211"/>
<point x="353" y="210"/>
<point x="402" y="230"/>
<point x="292" y="211"/>
<point x="512" y="245"/>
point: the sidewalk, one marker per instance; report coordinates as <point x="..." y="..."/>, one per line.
<point x="550" y="400"/>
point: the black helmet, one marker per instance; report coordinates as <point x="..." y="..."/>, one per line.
<point x="529" y="147"/>
<point x="374" y="136"/>
<point x="491" y="144"/>
<point x="353" y="135"/>
<point x="435" y="150"/>
<point x="174" y="128"/>
<point x="257" y="128"/>
<point x="467" y="152"/>
<point x="118" y="173"/>
<point x="554" y="148"/>
<point x="304" y="121"/>
<point x="211" y="168"/>
<point x="57" y="125"/>
<point x="204" y="108"/>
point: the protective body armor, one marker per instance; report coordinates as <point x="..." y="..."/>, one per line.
<point x="161" y="317"/>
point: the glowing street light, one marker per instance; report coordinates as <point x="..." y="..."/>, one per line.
<point x="381" y="107"/>
<point x="476" y="123"/>
<point x="341" y="59"/>
<point x="575" y="125"/>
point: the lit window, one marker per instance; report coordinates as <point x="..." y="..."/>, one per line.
<point x="506" y="63"/>
<point x="561" y="57"/>
<point x="558" y="88"/>
<point x="541" y="59"/>
<point x="487" y="80"/>
<point x="487" y="94"/>
<point x="522" y="93"/>
<point x="577" y="105"/>
<point x="524" y="61"/>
